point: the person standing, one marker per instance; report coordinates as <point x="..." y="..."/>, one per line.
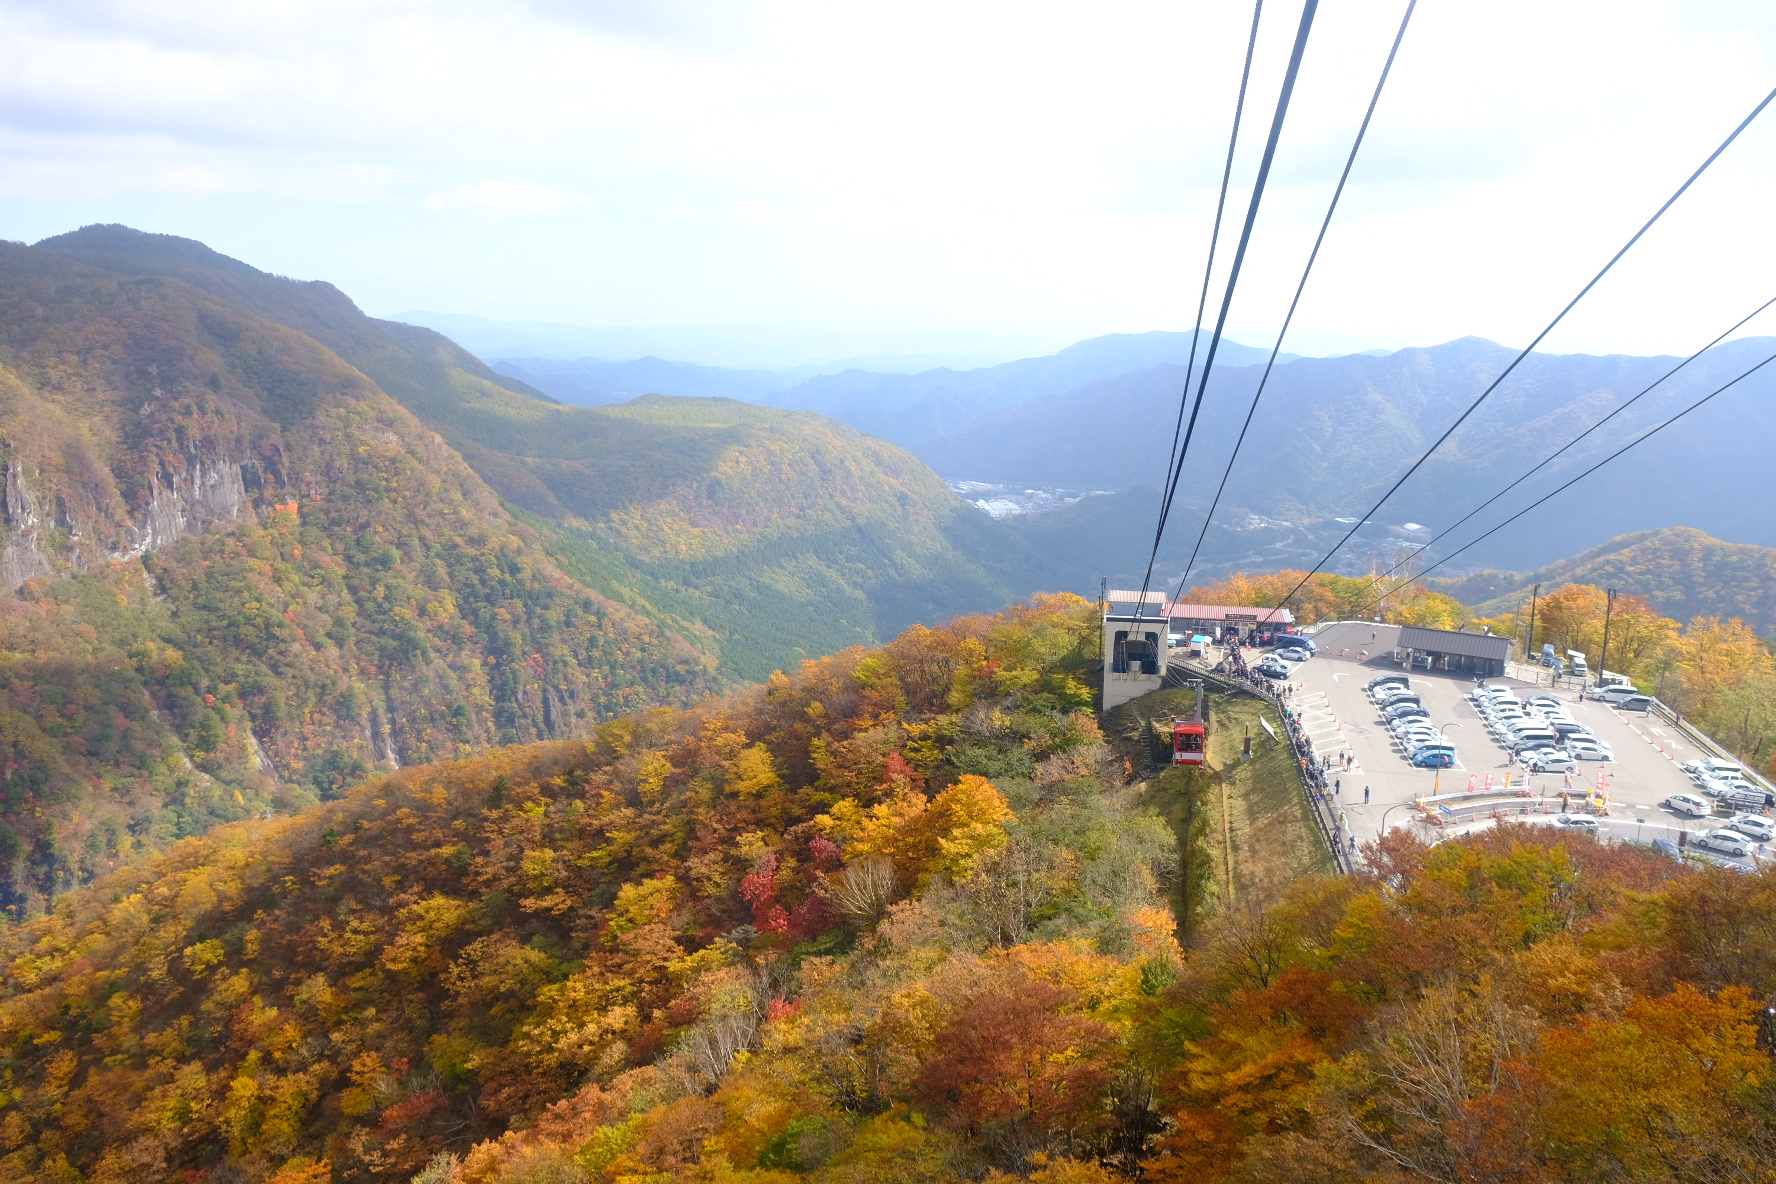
<point x="1365" y="795"/>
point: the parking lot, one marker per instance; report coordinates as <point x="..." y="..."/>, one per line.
<point x="1339" y="717"/>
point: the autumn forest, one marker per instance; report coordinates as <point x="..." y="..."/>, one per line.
<point x="405" y="777"/>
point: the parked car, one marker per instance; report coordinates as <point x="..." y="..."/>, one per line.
<point x="1406" y="710"/>
<point x="1579" y="822"/>
<point x="1754" y="825"/>
<point x="1433" y="758"/>
<point x="1398" y="698"/>
<point x="1689" y="803"/>
<point x="1711" y="766"/>
<point x="1566" y="725"/>
<point x="1555" y="762"/>
<point x="1595" y="753"/>
<point x="1716" y="787"/>
<point x="1294" y="654"/>
<point x="1727" y="842"/>
<point x="1640" y="703"/>
<point x="1383" y="680"/>
<point x="1548" y="701"/>
<point x="1269" y="670"/>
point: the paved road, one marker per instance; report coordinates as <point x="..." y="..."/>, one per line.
<point x="1339" y="717"/>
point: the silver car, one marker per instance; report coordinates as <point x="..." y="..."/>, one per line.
<point x="1754" y="826"/>
<point x="1727" y="842"/>
<point x="1578" y="822"/>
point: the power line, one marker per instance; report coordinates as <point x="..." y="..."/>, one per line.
<point x="1313" y="255"/>
<point x="1641" y="439"/>
<point x="1450" y="529"/>
<point x="1474" y="406"/>
<point x="1202" y="300"/>
<point x="1239" y="257"/>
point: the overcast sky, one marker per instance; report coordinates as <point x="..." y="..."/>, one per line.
<point x="1001" y="178"/>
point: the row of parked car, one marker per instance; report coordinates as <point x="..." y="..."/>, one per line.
<point x="1734" y="838"/>
<point x="1727" y="783"/>
<point x="1406" y="716"/>
<point x="1276" y="663"/>
<point x="1539" y="732"/>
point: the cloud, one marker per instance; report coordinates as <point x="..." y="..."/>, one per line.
<point x="505" y="197"/>
<point x="1001" y="164"/>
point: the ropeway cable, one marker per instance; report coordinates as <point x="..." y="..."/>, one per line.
<point x="1450" y="529"/>
<point x="1313" y="255"/>
<point x="1202" y="300"/>
<point x="1641" y="439"/>
<point x="1474" y="406"/>
<point x="1308" y="10"/>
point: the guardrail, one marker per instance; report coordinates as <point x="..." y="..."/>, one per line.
<point x="1706" y="743"/>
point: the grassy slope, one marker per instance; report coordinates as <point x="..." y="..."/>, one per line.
<point x="1248" y="816"/>
<point x="1274" y="839"/>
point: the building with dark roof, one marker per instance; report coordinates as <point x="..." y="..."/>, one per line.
<point x="1449" y="649"/>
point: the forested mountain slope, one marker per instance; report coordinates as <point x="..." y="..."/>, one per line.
<point x="762" y="536"/>
<point x="1682" y="571"/>
<point x="893" y="918"/>
<point x="249" y="576"/>
<point x="262" y="544"/>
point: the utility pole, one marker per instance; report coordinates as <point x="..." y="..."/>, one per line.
<point x="1603" y="659"/>
<point x="1529" y="646"/>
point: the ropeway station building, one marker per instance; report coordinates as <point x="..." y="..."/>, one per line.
<point x="1137" y="632"/>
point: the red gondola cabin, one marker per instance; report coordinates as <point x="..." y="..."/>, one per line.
<point x="1187" y="742"/>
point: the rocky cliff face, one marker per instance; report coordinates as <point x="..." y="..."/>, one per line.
<point x="35" y="540"/>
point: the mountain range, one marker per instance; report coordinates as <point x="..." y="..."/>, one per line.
<point x="1330" y="435"/>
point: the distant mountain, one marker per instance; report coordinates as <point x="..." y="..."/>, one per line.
<point x="1682" y="571"/>
<point x="744" y="347"/>
<point x="588" y="382"/>
<point x="1333" y="433"/>
<point x="914" y="409"/>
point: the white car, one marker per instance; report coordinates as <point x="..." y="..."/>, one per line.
<point x="1689" y="803"/>
<point x="1578" y="822"/>
<point x="1754" y="825"/>
<point x="1595" y="753"/>
<point x="1712" y="767"/>
<point x="1550" y="762"/>
<point x="1727" y="842"/>
<point x="1720" y="787"/>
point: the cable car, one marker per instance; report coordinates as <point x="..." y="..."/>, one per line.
<point x="1188" y="740"/>
<point x="1190" y="737"/>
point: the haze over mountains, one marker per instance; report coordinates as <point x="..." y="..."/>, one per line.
<point x="1328" y="437"/>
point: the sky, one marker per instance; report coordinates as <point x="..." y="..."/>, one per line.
<point x="983" y="178"/>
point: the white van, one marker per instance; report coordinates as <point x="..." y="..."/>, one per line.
<point x="1689" y="803"/>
